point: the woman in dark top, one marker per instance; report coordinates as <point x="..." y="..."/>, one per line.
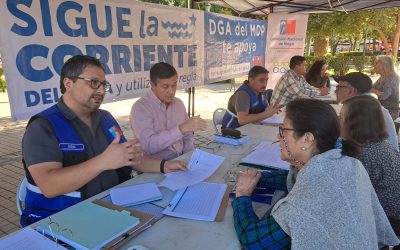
<point x="317" y="75"/>
<point x="365" y="138"/>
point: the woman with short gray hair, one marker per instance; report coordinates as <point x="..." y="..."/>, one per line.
<point x="387" y="86"/>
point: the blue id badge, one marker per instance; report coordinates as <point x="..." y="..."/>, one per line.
<point x="72" y="147"/>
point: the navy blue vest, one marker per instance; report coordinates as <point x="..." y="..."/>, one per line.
<point x="258" y="104"/>
<point x="37" y="206"/>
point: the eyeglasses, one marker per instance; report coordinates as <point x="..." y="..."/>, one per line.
<point x="94" y="83"/>
<point x="341" y="86"/>
<point x="281" y="129"/>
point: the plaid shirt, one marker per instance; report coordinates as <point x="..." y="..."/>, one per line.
<point x="266" y="233"/>
<point x="291" y="86"/>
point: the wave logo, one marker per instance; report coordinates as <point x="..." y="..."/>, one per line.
<point x="287" y="27"/>
<point x="180" y="30"/>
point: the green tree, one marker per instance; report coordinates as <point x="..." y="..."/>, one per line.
<point x="385" y="23"/>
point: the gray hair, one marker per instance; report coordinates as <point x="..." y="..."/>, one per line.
<point x="387" y="63"/>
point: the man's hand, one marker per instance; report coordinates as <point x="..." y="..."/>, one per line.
<point x="247" y="182"/>
<point x="125" y="154"/>
<point x="324" y="91"/>
<point x="193" y="124"/>
<point x="173" y="166"/>
<point x="273" y="109"/>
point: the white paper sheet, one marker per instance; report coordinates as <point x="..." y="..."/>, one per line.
<point x="201" y="166"/>
<point x="197" y="202"/>
<point x="266" y="154"/>
<point x="275" y="119"/>
<point x="135" y="194"/>
<point x="28" y="239"/>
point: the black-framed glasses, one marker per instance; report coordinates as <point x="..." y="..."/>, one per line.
<point x="341" y="86"/>
<point x="95" y="83"/>
<point x="281" y="129"/>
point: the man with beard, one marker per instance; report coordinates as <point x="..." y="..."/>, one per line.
<point x="249" y="102"/>
<point x="74" y="150"/>
<point x="160" y="120"/>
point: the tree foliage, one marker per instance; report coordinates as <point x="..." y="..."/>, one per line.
<point x="383" y="23"/>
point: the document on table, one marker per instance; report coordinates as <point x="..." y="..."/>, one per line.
<point x="198" y="202"/>
<point x="201" y="166"/>
<point x="266" y="154"/>
<point x="275" y="119"/>
<point x="28" y="238"/>
<point x="87" y="225"/>
<point x="135" y="194"/>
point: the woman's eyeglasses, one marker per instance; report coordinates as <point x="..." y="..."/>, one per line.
<point x="95" y="83"/>
<point x="281" y="129"/>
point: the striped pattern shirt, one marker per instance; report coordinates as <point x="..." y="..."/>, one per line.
<point x="290" y="87"/>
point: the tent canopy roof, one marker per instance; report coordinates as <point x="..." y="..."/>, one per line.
<point x="261" y="7"/>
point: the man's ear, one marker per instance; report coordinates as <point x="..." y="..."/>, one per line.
<point x="152" y="85"/>
<point x="67" y="83"/>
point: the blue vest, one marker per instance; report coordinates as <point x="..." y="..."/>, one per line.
<point x="256" y="106"/>
<point x="37" y="206"/>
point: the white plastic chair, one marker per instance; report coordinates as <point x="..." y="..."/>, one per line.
<point x="21" y="193"/>
<point x="217" y="118"/>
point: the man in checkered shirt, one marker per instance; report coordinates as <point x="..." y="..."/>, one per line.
<point x="293" y="84"/>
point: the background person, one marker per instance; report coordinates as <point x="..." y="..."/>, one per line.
<point x="249" y="102"/>
<point x="317" y="75"/>
<point x="293" y="84"/>
<point x="160" y="119"/>
<point x="74" y="150"/>
<point x="356" y="83"/>
<point x="387" y="86"/>
<point x="331" y="201"/>
<point x="364" y="133"/>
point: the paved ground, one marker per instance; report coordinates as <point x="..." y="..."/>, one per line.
<point x="207" y="100"/>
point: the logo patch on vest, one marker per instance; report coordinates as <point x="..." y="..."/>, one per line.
<point x="71" y="147"/>
<point x="114" y="130"/>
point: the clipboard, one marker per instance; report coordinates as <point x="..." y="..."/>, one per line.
<point x="146" y="221"/>
<point x="224" y="204"/>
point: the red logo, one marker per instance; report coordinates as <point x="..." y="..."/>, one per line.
<point x="288" y="27"/>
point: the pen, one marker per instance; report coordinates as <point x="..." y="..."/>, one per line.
<point x="275" y="142"/>
<point x="173" y="204"/>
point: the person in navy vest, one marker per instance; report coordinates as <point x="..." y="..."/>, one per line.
<point x="74" y="150"/>
<point x="249" y="102"/>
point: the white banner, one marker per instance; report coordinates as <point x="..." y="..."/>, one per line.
<point x="38" y="36"/>
<point x="286" y="36"/>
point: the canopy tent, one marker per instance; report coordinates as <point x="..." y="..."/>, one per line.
<point x="261" y="7"/>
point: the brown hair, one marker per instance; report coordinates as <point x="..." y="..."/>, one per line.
<point x="363" y="123"/>
<point x="316" y="117"/>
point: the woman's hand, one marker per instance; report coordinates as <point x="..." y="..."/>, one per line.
<point x="174" y="166"/>
<point x="247" y="182"/>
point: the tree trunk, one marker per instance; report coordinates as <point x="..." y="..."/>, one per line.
<point x="320" y="46"/>
<point x="308" y="45"/>
<point x="396" y="38"/>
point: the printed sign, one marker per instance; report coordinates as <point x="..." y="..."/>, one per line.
<point x="128" y="37"/>
<point x="285" y="38"/>
<point x="232" y="46"/>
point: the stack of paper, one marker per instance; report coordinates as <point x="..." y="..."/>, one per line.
<point x="136" y="194"/>
<point x="198" y="202"/>
<point x="267" y="155"/>
<point x="201" y="166"/>
<point x="87" y="225"/>
<point x="28" y="238"/>
<point x="273" y="120"/>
